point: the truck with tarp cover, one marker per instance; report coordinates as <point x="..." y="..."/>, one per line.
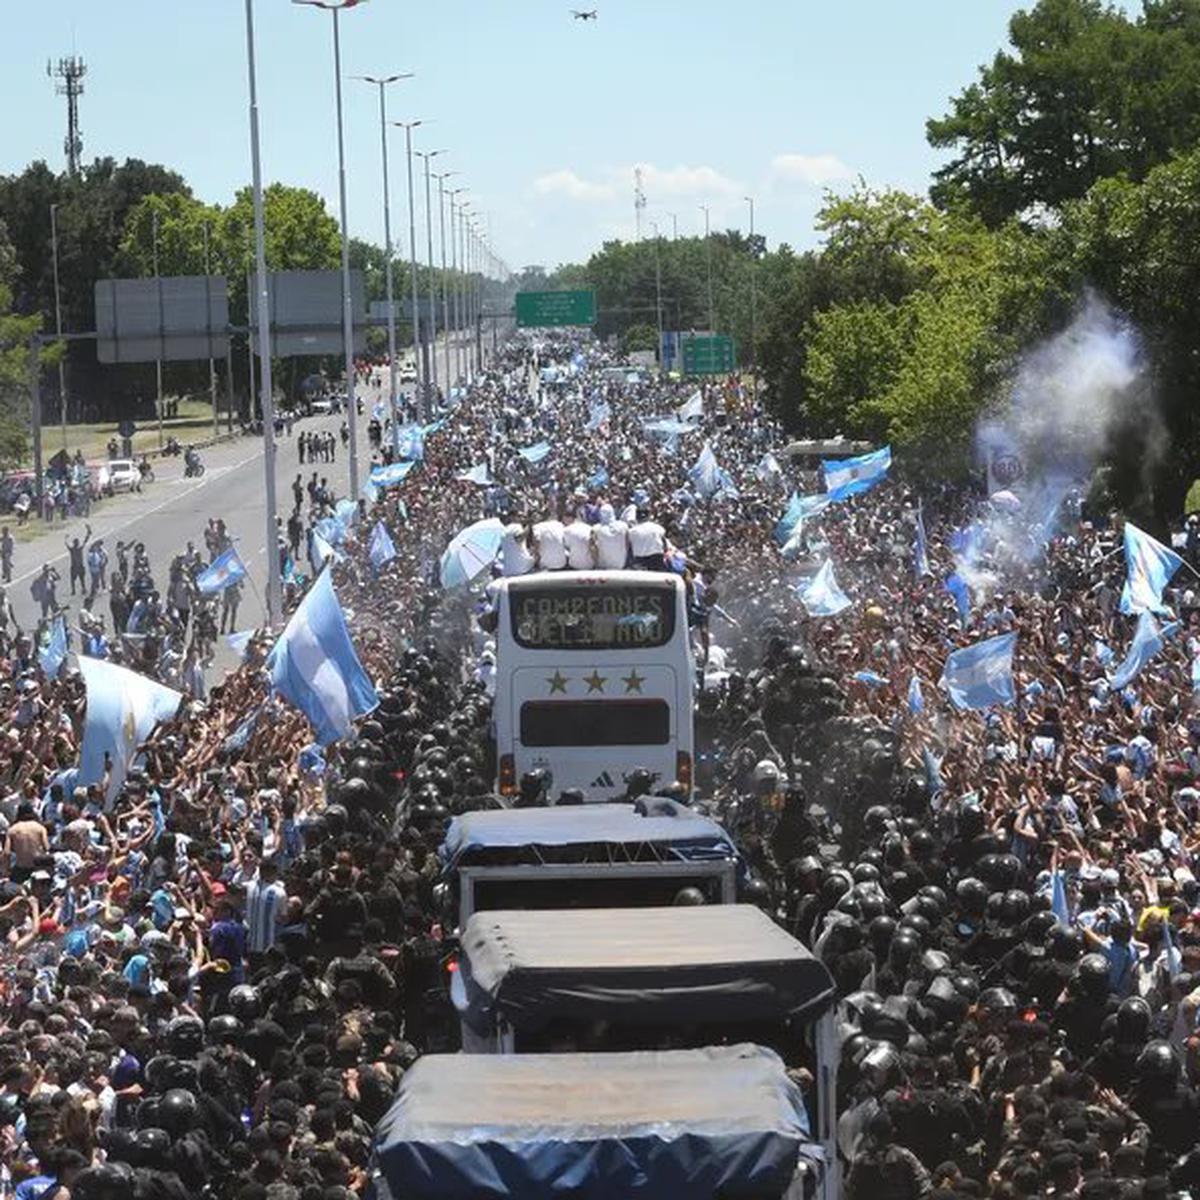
<point x="621" y="979"/>
<point x="588" y="856"/>
<point x="722" y="1122"/>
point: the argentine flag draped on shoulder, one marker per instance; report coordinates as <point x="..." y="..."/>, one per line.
<point x="845" y="477"/>
<point x="123" y="708"/>
<point x="313" y="665"/>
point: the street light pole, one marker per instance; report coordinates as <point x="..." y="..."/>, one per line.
<point x="753" y="304"/>
<point x="658" y="297"/>
<point x="674" y="225"/>
<point x="431" y="334"/>
<point x="212" y="368"/>
<point x="441" y="178"/>
<point x="62" y="375"/>
<point x="712" y="320"/>
<point x="335" y="10"/>
<point x="393" y="367"/>
<point x="158" y="361"/>
<point x="456" y="266"/>
<point x="408" y="127"/>
<point x="463" y="214"/>
<point x="274" y="590"/>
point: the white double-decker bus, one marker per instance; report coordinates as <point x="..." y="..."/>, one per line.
<point x="594" y="677"/>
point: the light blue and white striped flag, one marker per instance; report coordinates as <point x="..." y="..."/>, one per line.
<point x="921" y="549"/>
<point x="390" y="476"/>
<point x="123" y="708"/>
<point x="916" y="701"/>
<point x="381" y="548"/>
<point x="225" y="570"/>
<point x="1149" y="566"/>
<point x="846" y="477"/>
<point x="52" y="656"/>
<point x="313" y="665"/>
<point x="981" y="675"/>
<point x="239" y="642"/>
<point x="1148" y="639"/>
<point x="821" y="595"/>
<point x="535" y="453"/>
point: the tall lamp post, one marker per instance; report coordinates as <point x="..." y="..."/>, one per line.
<point x="464" y="214"/>
<point x="158" y="361"/>
<point x="431" y="325"/>
<point x="274" y="589"/>
<point x="62" y="373"/>
<point x="393" y="368"/>
<point x="753" y="304"/>
<point x="212" y="366"/>
<point x="456" y="267"/>
<point x="658" y="297"/>
<point x="441" y="178"/>
<point x="422" y="377"/>
<point x="334" y="8"/>
<point x="712" y="320"/>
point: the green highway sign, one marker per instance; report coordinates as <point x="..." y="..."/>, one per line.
<point x="707" y="354"/>
<point x="555" y="308"/>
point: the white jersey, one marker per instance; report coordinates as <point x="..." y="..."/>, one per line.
<point x="580" y="554"/>
<point x="515" y="558"/>
<point x="646" y="538"/>
<point x="550" y="539"/>
<point x="612" y="545"/>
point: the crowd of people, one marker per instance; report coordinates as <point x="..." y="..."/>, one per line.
<point x="213" y="977"/>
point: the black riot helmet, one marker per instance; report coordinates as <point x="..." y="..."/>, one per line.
<point x="177" y="1112"/>
<point x="688" y="897"/>
<point x="1133" y="1020"/>
<point x="1157" y="1063"/>
<point x="971" y="896"/>
<point x="1092" y="974"/>
<point x="185" y="1036"/>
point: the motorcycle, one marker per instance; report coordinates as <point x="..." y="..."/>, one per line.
<point x="193" y="467"/>
<point x="146" y="471"/>
<point x="172" y="447"/>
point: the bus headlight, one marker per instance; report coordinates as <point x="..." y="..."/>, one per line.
<point x="683" y="769"/>
<point x="508" y="775"/>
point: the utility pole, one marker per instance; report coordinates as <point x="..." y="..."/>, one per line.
<point x="456" y="268"/>
<point x="158" y="361"/>
<point x="274" y="587"/>
<point x="753" y="305"/>
<point x="393" y="366"/>
<point x="441" y="178"/>
<point x="712" y="320"/>
<point x="658" y="298"/>
<point x="212" y="367"/>
<point x="639" y="202"/>
<point x="422" y="378"/>
<point x="426" y="156"/>
<point x="62" y="370"/>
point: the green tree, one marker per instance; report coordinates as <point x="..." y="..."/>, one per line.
<point x="1085" y="93"/>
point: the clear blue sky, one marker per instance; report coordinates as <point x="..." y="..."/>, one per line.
<point x="544" y="116"/>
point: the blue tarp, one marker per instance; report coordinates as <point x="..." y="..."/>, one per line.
<point x="689" y="836"/>
<point x="684" y="1124"/>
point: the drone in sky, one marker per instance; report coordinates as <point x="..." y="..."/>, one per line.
<point x="589" y="15"/>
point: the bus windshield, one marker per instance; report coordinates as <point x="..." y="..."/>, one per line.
<point x="590" y="617"/>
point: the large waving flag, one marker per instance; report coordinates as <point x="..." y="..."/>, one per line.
<point x="768" y="469"/>
<point x="1148" y="639"/>
<point x="479" y="474"/>
<point x="381" y="548"/>
<point x="390" y="476"/>
<point x="52" y="656"/>
<point x="821" y="595"/>
<point x="981" y="675"/>
<point x="956" y="585"/>
<point x="598" y="414"/>
<point x="799" y="508"/>
<point x="535" y="453"/>
<point x="223" y="572"/>
<point x="1149" y="566"/>
<point x="708" y="477"/>
<point x="693" y="409"/>
<point x="849" y="476"/>
<point x="313" y="665"/>
<point x="123" y="708"/>
<point x="239" y="642"/>
<point x="410" y="442"/>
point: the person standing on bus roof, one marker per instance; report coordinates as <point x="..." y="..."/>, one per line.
<point x="612" y="540"/>
<point x="648" y="544"/>
<point x="550" y="539"/>
<point x="581" y="549"/>
<point x="515" y="558"/>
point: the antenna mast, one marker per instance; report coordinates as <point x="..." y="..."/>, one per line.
<point x="639" y="200"/>
<point x="70" y="72"/>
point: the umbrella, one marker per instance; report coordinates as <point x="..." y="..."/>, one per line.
<point x="471" y="552"/>
<point x="1006" y="500"/>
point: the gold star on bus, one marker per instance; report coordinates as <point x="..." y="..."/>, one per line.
<point x="557" y="682"/>
<point x="633" y="681"/>
<point x="595" y="681"/>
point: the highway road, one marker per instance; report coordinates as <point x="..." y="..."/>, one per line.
<point x="172" y="511"/>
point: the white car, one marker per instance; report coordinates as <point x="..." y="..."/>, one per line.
<point x="120" y="475"/>
<point x="322" y="405"/>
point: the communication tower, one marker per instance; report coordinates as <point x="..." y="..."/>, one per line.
<point x="69" y="73"/>
<point x="639" y="200"/>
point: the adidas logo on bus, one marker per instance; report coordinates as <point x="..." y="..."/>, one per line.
<point x="604" y="779"/>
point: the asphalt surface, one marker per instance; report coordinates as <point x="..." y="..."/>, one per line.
<point x="172" y="511"/>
